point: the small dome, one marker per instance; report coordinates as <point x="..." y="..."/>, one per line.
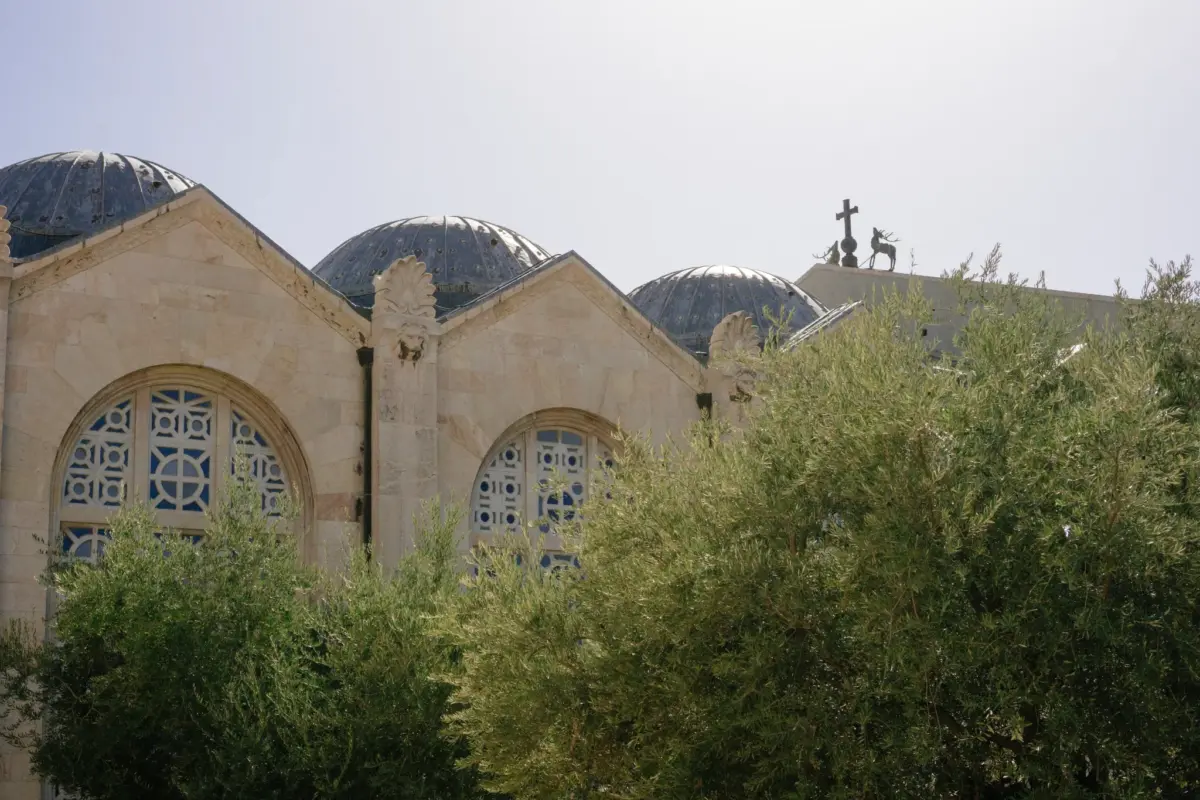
<point x="56" y="197"/>
<point x="689" y="303"/>
<point x="467" y="257"/>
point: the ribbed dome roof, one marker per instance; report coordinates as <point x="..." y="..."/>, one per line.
<point x="467" y="257"/>
<point x="689" y="303"/>
<point x="56" y="197"/>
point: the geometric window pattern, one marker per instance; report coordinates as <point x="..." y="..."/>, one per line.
<point x="181" y="450"/>
<point x="262" y="462"/>
<point x="99" y="466"/>
<point x="84" y="542"/>
<point x="559" y="464"/>
<point x="562" y="475"/>
<point x="499" y="502"/>
<point x="161" y="444"/>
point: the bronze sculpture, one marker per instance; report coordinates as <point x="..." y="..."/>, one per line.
<point x="830" y="256"/>
<point x="882" y="242"/>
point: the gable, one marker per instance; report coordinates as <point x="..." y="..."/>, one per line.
<point x="554" y="345"/>
<point x="593" y="298"/>
<point x="198" y="230"/>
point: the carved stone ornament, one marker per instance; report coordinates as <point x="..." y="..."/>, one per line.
<point x="5" y="238"/>
<point x="404" y="312"/>
<point x="736" y="333"/>
<point x="405" y="288"/>
<point x="409" y="342"/>
<point x="734" y="339"/>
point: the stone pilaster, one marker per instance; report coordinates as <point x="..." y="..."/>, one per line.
<point x="6" y="276"/>
<point x="404" y="333"/>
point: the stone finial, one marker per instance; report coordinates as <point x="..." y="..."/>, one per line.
<point x="736" y="332"/>
<point x="5" y="238"/>
<point x="405" y="309"/>
<point x="405" y="288"/>
<point x="734" y="338"/>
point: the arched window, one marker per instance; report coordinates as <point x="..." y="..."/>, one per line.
<point x="170" y="445"/>
<point x="538" y="475"/>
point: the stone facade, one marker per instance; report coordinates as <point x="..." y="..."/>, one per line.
<point x="190" y="295"/>
<point x="171" y="297"/>
<point x="368" y="419"/>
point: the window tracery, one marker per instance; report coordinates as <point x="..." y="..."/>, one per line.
<point x="172" y="446"/>
<point x="540" y="476"/>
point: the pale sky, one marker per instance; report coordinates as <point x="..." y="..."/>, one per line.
<point x="649" y="135"/>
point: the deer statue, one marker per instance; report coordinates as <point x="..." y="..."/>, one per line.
<point x="882" y="242"/>
<point x="830" y="256"/>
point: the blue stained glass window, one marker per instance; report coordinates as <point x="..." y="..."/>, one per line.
<point x="262" y="461"/>
<point x="500" y="496"/>
<point x="177" y="439"/>
<point x="181" y="450"/>
<point x="561" y="466"/>
<point x="100" y="467"/>
<point x="556" y="562"/>
<point x="85" y="542"/>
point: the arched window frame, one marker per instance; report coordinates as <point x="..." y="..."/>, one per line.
<point x="526" y="467"/>
<point x="80" y="528"/>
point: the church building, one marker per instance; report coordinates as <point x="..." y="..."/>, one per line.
<point x="148" y="333"/>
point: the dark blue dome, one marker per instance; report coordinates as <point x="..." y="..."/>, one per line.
<point x="467" y="257"/>
<point x="689" y="303"/>
<point x="56" y="197"/>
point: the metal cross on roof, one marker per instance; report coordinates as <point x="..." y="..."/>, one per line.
<point x="848" y="244"/>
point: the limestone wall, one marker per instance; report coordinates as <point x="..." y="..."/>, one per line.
<point x="564" y="343"/>
<point x="181" y="298"/>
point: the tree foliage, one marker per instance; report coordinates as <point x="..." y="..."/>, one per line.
<point x="901" y="579"/>
<point x="226" y="669"/>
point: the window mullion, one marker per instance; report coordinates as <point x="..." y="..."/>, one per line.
<point x="140" y="491"/>
<point x="531" y="485"/>
<point x="223" y="455"/>
<point x="591" y="454"/>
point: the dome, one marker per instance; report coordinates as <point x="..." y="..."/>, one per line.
<point x="56" y="197"/>
<point x="467" y="257"/>
<point x="689" y="303"/>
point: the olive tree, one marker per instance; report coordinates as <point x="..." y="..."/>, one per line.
<point x="903" y="578"/>
<point x="224" y="668"/>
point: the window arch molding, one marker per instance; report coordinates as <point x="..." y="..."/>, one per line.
<point x="507" y="494"/>
<point x="228" y="392"/>
<point x="563" y="417"/>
